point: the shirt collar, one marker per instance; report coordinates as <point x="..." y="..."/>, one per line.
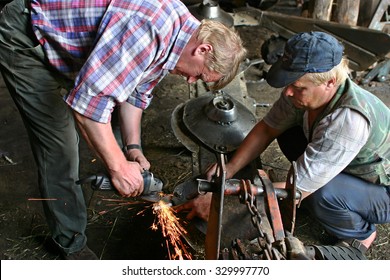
<point x="187" y="30"/>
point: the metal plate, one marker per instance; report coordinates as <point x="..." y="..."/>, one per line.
<point x="219" y="137"/>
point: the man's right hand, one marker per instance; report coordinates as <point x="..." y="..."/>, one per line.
<point x="128" y="179"/>
<point x="125" y="175"/>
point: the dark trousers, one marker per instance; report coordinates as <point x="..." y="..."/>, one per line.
<point x="36" y="91"/>
<point x="347" y="206"/>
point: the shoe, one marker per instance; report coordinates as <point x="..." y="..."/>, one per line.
<point x="353" y="243"/>
<point x="83" y="254"/>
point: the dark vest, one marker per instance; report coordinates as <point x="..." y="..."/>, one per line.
<point x="372" y="163"/>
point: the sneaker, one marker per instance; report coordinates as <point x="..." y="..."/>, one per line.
<point x="83" y="254"/>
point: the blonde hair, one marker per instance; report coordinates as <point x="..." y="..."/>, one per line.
<point x="340" y="72"/>
<point x="228" y="51"/>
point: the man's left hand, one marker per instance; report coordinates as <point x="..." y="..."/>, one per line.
<point x="138" y="156"/>
<point x="197" y="207"/>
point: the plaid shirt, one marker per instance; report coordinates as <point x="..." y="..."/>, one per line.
<point x="115" y="51"/>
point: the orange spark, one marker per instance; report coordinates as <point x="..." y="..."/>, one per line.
<point x="171" y="229"/>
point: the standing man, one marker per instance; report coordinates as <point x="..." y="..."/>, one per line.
<point x="106" y="54"/>
<point x="338" y="134"/>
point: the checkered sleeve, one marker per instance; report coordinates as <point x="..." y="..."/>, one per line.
<point x="335" y="143"/>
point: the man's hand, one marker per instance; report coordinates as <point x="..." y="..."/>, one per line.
<point x="137" y="156"/>
<point x="125" y="175"/>
<point x="212" y="171"/>
<point x="197" y="207"/>
<point x="128" y="179"/>
<point x="200" y="206"/>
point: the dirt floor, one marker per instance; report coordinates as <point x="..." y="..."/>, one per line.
<point x="122" y="228"/>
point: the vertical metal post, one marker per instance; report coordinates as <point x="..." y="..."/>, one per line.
<point x="214" y="227"/>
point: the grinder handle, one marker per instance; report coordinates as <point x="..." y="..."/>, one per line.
<point x="102" y="182"/>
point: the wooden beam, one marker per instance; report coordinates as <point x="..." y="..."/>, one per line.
<point x="322" y="9"/>
<point x="367" y="11"/>
<point x="376" y="19"/>
<point x="347" y="12"/>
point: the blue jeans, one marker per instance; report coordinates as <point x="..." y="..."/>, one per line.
<point x="347" y="206"/>
<point x="36" y="91"/>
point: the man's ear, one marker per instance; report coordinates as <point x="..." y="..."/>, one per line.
<point x="202" y="49"/>
<point x="331" y="83"/>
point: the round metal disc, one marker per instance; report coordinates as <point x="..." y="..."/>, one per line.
<point x="219" y="122"/>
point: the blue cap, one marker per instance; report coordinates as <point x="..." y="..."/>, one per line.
<point x="307" y="52"/>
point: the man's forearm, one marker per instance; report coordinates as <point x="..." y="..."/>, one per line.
<point x="253" y="145"/>
<point x="101" y="139"/>
<point x="130" y="121"/>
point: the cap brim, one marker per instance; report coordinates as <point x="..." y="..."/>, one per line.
<point x="278" y="77"/>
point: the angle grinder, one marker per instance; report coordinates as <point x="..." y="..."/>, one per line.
<point x="152" y="185"/>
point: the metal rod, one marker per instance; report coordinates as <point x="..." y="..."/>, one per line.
<point x="233" y="187"/>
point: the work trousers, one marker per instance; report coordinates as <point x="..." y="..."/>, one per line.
<point x="347" y="206"/>
<point x="36" y="90"/>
